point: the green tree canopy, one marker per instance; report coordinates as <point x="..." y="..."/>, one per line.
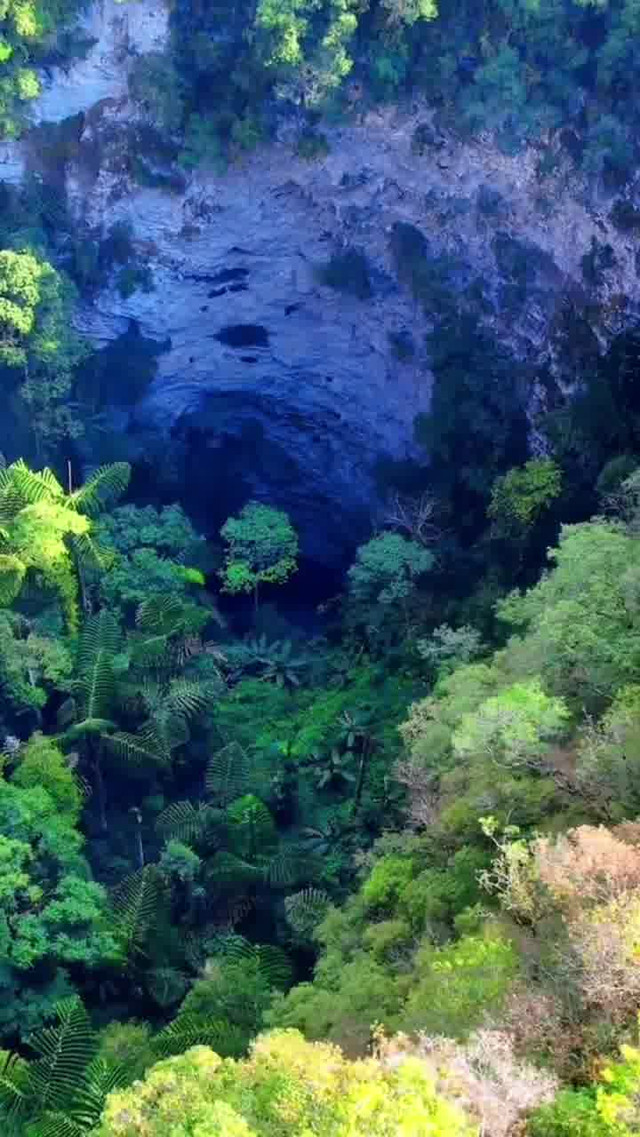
<point x="286" y="1088"/>
<point x="37" y="341"/>
<point x="262" y="548"/>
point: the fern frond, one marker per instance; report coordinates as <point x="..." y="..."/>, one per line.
<point x="305" y="910"/>
<point x="225" y="868"/>
<point x="136" y="902"/>
<point x="227" y="775"/>
<point x="187" y="698"/>
<point x="85" y="729"/>
<point x="187" y="1031"/>
<point x="105" y="486"/>
<point x="166" y="985"/>
<point x="87" y="553"/>
<point x="57" y="1124"/>
<point x="100" y="1079"/>
<point x="173" y="728"/>
<point x="160" y="615"/>
<point x="64" y="1051"/>
<point x="271" y="961"/>
<point x="183" y="821"/>
<point x="285" y="868"/>
<point x="99" y="643"/>
<point x="138" y="749"/>
<point x="274" y="965"/>
<point x="15" y="1099"/>
<point x="251" y="826"/>
<point x="33" y="485"/>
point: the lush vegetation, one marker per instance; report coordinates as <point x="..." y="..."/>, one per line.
<point x="518" y="68"/>
<point x="399" y="830"/>
<point x="372" y="869"/>
<point x="527" y="71"/>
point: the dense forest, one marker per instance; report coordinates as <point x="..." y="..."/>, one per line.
<point x="365" y="862"/>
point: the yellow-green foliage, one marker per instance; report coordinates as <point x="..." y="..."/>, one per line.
<point x="43" y="764"/>
<point x="521" y="495"/>
<point x="286" y="1088"/>
<point x="37" y="338"/>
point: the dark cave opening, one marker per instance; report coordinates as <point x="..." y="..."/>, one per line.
<point x="243" y="335"/>
<point x="213" y="473"/>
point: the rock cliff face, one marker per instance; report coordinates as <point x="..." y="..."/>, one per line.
<point x="293" y="388"/>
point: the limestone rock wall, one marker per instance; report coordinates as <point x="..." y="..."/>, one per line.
<point x="253" y="341"/>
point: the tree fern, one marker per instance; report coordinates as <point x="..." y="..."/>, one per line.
<point x="15" y="1097"/>
<point x="189" y="1030"/>
<point x="105" y="486"/>
<point x="166" y="985"/>
<point x="136" y="902"/>
<point x="33" y="486"/>
<point x="187" y="698"/>
<point x="306" y="909"/>
<point x="183" y="821"/>
<point x="226" y="868"/>
<point x="160" y="615"/>
<point x="57" y="1124"/>
<point x="286" y="867"/>
<point x="139" y="749"/>
<point x="99" y="643"/>
<point x="82" y="1113"/>
<point x="251" y="827"/>
<point x="228" y="773"/>
<point x="271" y="961"/>
<point x="63" y="1052"/>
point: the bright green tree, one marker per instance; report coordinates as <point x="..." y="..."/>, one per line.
<point x="581" y="625"/>
<point x="514" y="728"/>
<point x="262" y="548"/>
<point x="37" y="341"/>
<point x="286" y="1088"/>
<point x="51" y="913"/>
<point x="522" y="495"/>
<point x="42" y="527"/>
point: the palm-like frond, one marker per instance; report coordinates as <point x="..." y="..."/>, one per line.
<point x="32" y="486"/>
<point x="183" y="821"/>
<point x="15" y="1099"/>
<point x="226" y="868"/>
<point x="286" y="867"/>
<point x="82" y="1114"/>
<point x="251" y="827"/>
<point x="166" y="985"/>
<point x="139" y="749"/>
<point x="160" y="615"/>
<point x="99" y="643"/>
<point x="188" y="1030"/>
<point x="64" y="1051"/>
<point x="57" y="1124"/>
<point x="187" y="698"/>
<point x="88" y="555"/>
<point x="135" y="902"/>
<point x="305" y="910"/>
<point x="105" y="486"/>
<point x="228" y="773"/>
<point x="271" y="961"/>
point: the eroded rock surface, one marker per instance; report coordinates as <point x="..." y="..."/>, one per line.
<point x="255" y="345"/>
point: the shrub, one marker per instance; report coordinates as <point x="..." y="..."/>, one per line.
<point x="348" y="272"/>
